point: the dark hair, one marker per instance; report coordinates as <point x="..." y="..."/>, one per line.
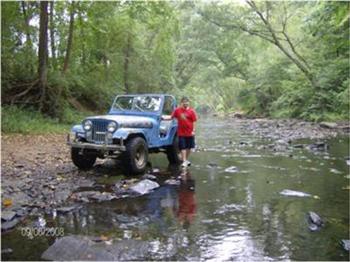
<point x="185" y="99"/>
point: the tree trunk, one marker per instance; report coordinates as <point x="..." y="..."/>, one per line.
<point x="29" y="44"/>
<point x="70" y="40"/>
<point x="42" y="68"/>
<point x="126" y="64"/>
<point x="294" y="56"/>
<point x="82" y="36"/>
<point x="52" y="35"/>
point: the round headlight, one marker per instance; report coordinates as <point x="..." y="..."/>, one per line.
<point x="112" y="126"/>
<point x="87" y="125"/>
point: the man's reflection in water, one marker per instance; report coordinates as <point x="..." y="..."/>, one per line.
<point x="186" y="199"/>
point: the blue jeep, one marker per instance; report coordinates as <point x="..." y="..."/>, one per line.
<point x="132" y="129"/>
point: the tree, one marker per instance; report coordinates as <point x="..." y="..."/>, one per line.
<point x="70" y="39"/>
<point x="52" y="35"/>
<point x="42" y="65"/>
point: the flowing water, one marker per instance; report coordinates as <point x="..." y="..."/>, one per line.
<point x="228" y="205"/>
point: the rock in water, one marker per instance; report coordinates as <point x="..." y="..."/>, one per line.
<point x="315" y="221"/>
<point x="82" y="248"/>
<point x="319" y="146"/>
<point x="287" y="192"/>
<point x="75" y="248"/>
<point x="346" y="244"/>
<point x="328" y="125"/>
<point x="9" y="224"/>
<point x="231" y="169"/>
<point x="7" y="215"/>
<point x="144" y="186"/>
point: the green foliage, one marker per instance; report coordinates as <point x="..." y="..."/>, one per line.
<point x="17" y="120"/>
<point x="220" y="54"/>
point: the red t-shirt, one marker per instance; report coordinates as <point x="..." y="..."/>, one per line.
<point x="185" y="117"/>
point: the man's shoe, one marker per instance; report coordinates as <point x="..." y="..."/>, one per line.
<point x="186" y="163"/>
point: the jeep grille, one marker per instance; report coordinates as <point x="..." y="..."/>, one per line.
<point x="99" y="129"/>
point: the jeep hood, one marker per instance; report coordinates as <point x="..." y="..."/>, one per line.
<point x="127" y="121"/>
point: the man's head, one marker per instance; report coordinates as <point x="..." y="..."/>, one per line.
<point x="185" y="102"/>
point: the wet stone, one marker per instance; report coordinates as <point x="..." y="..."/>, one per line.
<point x="144" y="187"/>
<point x="319" y="146"/>
<point x="61" y="196"/>
<point x="173" y="182"/>
<point x="335" y="171"/>
<point x="315" y="221"/>
<point x="346" y="244"/>
<point x="212" y="165"/>
<point x="231" y="169"/>
<point x="9" y="224"/>
<point x="83" y="248"/>
<point x="149" y="176"/>
<point x="6" y="251"/>
<point x="288" y="192"/>
<point x="298" y="146"/>
<point x="105" y="196"/>
<point x="63" y="210"/>
<point x="7" y="215"/>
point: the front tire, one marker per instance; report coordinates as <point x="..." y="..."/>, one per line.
<point x="136" y="155"/>
<point x="82" y="161"/>
<point x="173" y="152"/>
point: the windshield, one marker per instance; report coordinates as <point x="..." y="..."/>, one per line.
<point x="137" y="103"/>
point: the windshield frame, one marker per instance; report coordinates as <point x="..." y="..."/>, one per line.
<point x="114" y="109"/>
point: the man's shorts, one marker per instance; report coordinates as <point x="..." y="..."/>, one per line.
<point x="186" y="142"/>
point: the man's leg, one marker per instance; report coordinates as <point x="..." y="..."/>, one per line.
<point x="184" y="155"/>
<point x="188" y="152"/>
<point x="190" y="144"/>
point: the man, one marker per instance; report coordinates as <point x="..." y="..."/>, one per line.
<point x="186" y="118"/>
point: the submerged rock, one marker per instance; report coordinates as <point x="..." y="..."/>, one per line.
<point x="319" y="146"/>
<point x="105" y="196"/>
<point x="315" y="221"/>
<point x="9" y="224"/>
<point x="149" y="176"/>
<point x="172" y="182"/>
<point x="346" y="244"/>
<point x="231" y="169"/>
<point x="6" y="251"/>
<point x="288" y="192"/>
<point x="144" y="187"/>
<point x="328" y="125"/>
<point x="63" y="210"/>
<point x="7" y="215"/>
<point x="83" y="248"/>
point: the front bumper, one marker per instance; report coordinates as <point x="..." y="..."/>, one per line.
<point x="102" y="147"/>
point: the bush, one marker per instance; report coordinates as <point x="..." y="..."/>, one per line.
<point x="18" y="120"/>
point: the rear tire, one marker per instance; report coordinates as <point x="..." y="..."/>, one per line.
<point x="82" y="161"/>
<point x="173" y="152"/>
<point x="136" y="156"/>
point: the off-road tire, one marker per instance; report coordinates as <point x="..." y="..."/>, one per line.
<point x="173" y="152"/>
<point x="82" y="161"/>
<point x="135" y="157"/>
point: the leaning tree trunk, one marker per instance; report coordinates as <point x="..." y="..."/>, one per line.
<point x="42" y="68"/>
<point x="70" y="40"/>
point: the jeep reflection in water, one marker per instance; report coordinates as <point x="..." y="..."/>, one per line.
<point x="131" y="130"/>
